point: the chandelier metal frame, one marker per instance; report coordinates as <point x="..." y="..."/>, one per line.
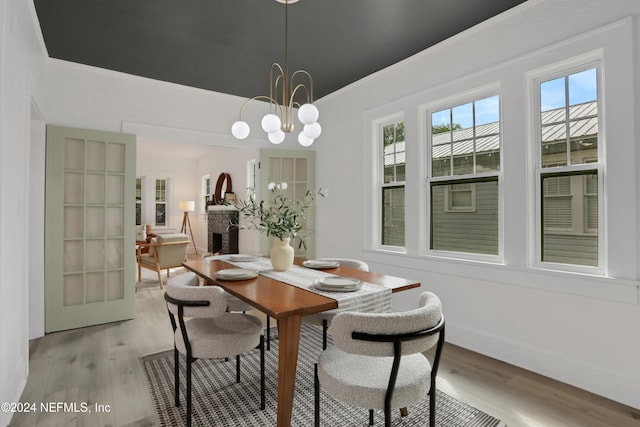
<point x="282" y="92"/>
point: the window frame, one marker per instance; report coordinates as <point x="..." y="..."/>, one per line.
<point x="379" y="182"/>
<point x="555" y="71"/>
<point x="426" y="111"/>
<point x="205" y="191"/>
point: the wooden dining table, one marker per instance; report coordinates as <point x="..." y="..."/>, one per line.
<point x="287" y="304"/>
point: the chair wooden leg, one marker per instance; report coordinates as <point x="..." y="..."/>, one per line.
<point x="371" y="422"/>
<point x="160" y="279"/>
<point x="404" y="412"/>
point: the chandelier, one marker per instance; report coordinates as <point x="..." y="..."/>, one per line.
<point x="283" y="89"/>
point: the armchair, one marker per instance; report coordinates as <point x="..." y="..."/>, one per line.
<point x="165" y="251"/>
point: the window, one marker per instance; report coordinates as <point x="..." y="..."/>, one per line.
<point x="138" y="201"/>
<point x="569" y="168"/>
<point x="391" y="134"/>
<point x="206" y="191"/>
<point x="161" y="202"/>
<point x="465" y="164"/>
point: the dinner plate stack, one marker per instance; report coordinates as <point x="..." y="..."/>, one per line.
<point x="320" y="264"/>
<point x="338" y="284"/>
<point x="236" y="274"/>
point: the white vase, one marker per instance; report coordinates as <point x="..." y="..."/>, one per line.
<point x="281" y="254"/>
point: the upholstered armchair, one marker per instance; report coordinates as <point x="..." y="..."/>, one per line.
<point x="166" y="251"/>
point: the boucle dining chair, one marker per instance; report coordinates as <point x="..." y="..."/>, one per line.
<point x="324" y="318"/>
<point x="210" y="332"/>
<point x="377" y="359"/>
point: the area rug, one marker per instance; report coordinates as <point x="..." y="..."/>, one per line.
<point x="219" y="401"/>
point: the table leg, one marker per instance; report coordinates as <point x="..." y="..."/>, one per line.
<point x="289" y="338"/>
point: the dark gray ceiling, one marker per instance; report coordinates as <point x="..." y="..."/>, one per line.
<point x="228" y="46"/>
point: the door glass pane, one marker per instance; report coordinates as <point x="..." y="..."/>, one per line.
<point x="73" y="221"/>
<point x="73" y="256"/>
<point x="301" y="169"/>
<point x="115" y="189"/>
<point x="95" y="155"/>
<point x="94" y="254"/>
<point x="72" y="289"/>
<point x="115" y="158"/>
<point x="74" y="154"/>
<point x="115" y="248"/>
<point x="95" y="287"/>
<point x="95" y="188"/>
<point x="115" y="221"/>
<point x="115" y="285"/>
<point x="275" y="169"/>
<point x="73" y="188"/>
<point x="95" y="221"/>
<point x="287" y="169"/>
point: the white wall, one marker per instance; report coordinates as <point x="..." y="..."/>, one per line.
<point x="579" y="329"/>
<point x="21" y="58"/>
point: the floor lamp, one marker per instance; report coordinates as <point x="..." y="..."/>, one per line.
<point x="187" y="206"/>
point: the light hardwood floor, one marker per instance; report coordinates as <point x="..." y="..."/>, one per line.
<point x="100" y="364"/>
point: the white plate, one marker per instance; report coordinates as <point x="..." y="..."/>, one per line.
<point x="338" y="282"/>
<point x="320" y="264"/>
<point x="242" y="257"/>
<point x="236" y="274"/>
<point x="347" y="288"/>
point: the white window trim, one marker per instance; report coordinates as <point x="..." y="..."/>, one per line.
<point x="203" y="192"/>
<point x="425" y="111"/>
<point x="534" y="78"/>
<point x="378" y="181"/>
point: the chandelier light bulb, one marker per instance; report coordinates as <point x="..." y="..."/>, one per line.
<point x="308" y="113"/>
<point x="313" y="130"/>
<point x="240" y="129"/>
<point x="271" y="123"/>
<point x="276" y="137"/>
<point x="304" y="140"/>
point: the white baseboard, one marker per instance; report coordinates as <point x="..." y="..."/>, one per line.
<point x="573" y="372"/>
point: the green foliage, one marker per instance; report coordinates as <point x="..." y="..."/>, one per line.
<point x="393" y="133"/>
<point x="280" y="217"/>
<point x="444" y="127"/>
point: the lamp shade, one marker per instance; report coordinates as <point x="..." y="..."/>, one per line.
<point x="240" y="129"/>
<point x="187" y="205"/>
<point x="308" y="113"/>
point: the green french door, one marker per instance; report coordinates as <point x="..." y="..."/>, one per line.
<point x="295" y="168"/>
<point x="89" y="228"/>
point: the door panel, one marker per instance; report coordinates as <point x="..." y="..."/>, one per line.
<point x="89" y="228"/>
<point x="296" y="168"/>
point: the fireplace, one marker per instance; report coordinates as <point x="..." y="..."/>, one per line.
<point x="222" y="237"/>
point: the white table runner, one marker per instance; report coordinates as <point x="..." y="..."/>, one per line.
<point x="369" y="298"/>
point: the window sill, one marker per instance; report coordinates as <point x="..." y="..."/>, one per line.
<point x="591" y="285"/>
